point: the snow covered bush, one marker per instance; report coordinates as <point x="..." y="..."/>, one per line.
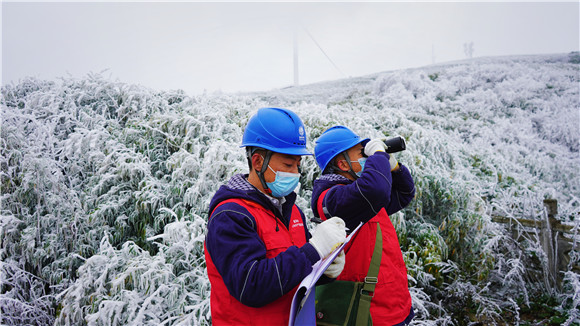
<point x="131" y="287"/>
<point x="106" y="187"/>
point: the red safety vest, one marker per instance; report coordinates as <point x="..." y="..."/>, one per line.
<point x="391" y="303"/>
<point x="227" y="310"/>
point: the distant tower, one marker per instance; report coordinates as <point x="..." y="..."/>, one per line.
<point x="295" y="58"/>
<point x="433" y="53"/>
<point x="468" y="49"/>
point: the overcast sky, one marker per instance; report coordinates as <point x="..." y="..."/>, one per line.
<point x="241" y="46"/>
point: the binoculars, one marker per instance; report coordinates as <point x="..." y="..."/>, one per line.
<point x="395" y="144"/>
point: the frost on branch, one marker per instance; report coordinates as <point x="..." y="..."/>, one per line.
<point x="106" y="187"/>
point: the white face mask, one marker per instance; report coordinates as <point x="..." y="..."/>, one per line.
<point x="284" y="183"/>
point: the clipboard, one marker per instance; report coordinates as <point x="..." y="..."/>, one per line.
<point x="302" y="310"/>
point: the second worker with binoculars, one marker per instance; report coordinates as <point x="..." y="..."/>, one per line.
<point x="362" y="183"/>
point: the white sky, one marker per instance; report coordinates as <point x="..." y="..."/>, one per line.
<point x="242" y="46"/>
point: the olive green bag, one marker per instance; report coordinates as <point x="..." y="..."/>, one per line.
<point x="349" y="303"/>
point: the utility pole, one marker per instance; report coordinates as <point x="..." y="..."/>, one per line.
<point x="295" y="57"/>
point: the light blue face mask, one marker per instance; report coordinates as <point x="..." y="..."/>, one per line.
<point x="284" y="183"/>
<point x="362" y="162"/>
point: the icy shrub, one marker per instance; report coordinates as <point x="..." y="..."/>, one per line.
<point x="129" y="286"/>
<point x="106" y="187"/>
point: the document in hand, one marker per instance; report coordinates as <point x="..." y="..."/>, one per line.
<point x="302" y="311"/>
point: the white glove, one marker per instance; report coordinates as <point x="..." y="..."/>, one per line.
<point x="393" y="162"/>
<point x="328" y="235"/>
<point x="336" y="266"/>
<point x="375" y="145"/>
<point x="378" y="145"/>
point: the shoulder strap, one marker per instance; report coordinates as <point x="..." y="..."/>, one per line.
<point x="239" y="201"/>
<point x="322" y="211"/>
<point x="367" y="292"/>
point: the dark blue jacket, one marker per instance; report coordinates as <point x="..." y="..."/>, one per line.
<point x="240" y="255"/>
<point x="360" y="200"/>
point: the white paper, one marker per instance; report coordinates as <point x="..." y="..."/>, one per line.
<point x="309" y="282"/>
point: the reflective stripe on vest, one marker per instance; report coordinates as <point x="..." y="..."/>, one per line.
<point x="227" y="310"/>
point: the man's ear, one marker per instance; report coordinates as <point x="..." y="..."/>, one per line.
<point x="342" y="165"/>
<point x="257" y="161"/>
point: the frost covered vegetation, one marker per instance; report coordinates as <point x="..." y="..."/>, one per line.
<point x="106" y="186"/>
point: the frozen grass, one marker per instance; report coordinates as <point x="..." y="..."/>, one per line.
<point x="106" y="186"/>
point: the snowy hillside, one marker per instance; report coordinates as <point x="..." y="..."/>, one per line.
<point x="106" y="187"/>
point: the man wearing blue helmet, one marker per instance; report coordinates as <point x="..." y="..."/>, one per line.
<point x="362" y="183"/>
<point x="257" y="246"/>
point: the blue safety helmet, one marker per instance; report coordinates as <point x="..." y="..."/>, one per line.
<point x="333" y="142"/>
<point x="277" y="130"/>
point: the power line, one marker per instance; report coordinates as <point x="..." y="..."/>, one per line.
<point x="322" y="50"/>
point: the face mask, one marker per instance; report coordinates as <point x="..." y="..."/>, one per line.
<point x="362" y="162"/>
<point x="284" y="183"/>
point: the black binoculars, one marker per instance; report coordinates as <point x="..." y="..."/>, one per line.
<point x="395" y="144"/>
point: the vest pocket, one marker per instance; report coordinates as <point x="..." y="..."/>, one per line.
<point x="337" y="303"/>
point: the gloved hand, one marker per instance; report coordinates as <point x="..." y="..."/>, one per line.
<point x="393" y="161"/>
<point x="378" y="145"/>
<point x="336" y="266"/>
<point x="328" y="235"/>
<point x="375" y="145"/>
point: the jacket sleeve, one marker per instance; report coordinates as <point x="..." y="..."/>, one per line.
<point x="362" y="199"/>
<point x="403" y="190"/>
<point x="240" y="257"/>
